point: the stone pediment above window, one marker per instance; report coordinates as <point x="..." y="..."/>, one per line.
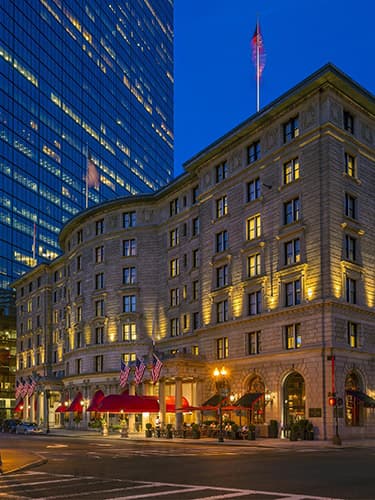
<point x="221" y="258"/>
<point x="291" y="272"/>
<point x="353" y="227"/>
<point x="291" y="230"/>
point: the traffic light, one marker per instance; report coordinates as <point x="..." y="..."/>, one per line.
<point x="332" y="399"/>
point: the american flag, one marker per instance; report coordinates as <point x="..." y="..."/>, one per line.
<point x="31" y="386"/>
<point x="92" y="173"/>
<point x="157" y="365"/>
<point x="24" y="387"/>
<point x="18" y="389"/>
<point x="124" y="374"/>
<point x="139" y="371"/>
<point x="258" y="53"/>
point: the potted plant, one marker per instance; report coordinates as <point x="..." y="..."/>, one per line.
<point x="251" y="433"/>
<point x="273" y="429"/>
<point x="148" y="430"/>
<point x="104" y="426"/>
<point x="294" y="432"/>
<point x="196" y="433"/>
<point x="169" y="431"/>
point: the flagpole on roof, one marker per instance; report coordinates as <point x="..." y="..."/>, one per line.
<point x="258" y="57"/>
<point x="87" y="176"/>
<point x="257" y="68"/>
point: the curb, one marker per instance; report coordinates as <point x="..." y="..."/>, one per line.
<point x="29" y="465"/>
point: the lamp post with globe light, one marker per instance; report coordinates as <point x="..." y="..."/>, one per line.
<point x="222" y="387"/>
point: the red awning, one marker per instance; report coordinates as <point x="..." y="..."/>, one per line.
<point x="75" y="405"/>
<point x="62" y="408"/>
<point x="96" y="400"/>
<point x="170" y="404"/>
<point x="117" y="403"/>
<point x="19" y="406"/>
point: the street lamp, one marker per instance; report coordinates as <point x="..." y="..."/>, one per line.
<point x="222" y="387"/>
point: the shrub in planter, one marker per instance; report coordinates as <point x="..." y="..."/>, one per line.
<point x="294" y="432"/>
<point x="196" y="433"/>
<point x="251" y="433"/>
<point x="273" y="429"/>
<point x="148" y="430"/>
<point x="169" y="431"/>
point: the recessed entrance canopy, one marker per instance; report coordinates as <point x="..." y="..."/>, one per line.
<point x="248" y="399"/>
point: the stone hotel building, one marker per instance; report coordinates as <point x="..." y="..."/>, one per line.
<point x="258" y="259"/>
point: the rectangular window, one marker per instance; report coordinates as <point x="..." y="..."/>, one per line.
<point x="195" y="320"/>
<point x="293" y="293"/>
<point x="174" y="297"/>
<point x="253" y="265"/>
<point x="350" y="206"/>
<point x="195" y="257"/>
<point x="129" y="303"/>
<point x="221" y="171"/>
<point x="291" y="129"/>
<point x="253" y="227"/>
<point x="253" y="190"/>
<point x="194" y="195"/>
<point x="222" y="276"/>
<point x="222" y="348"/>
<point x="79" y="236"/>
<point x="292" y="210"/>
<point x="79" y="314"/>
<point x="99" y="307"/>
<point x="222" y="241"/>
<point x="348" y="122"/>
<point x="129" y="275"/>
<point x="174" y="268"/>
<point x="255" y="303"/>
<point x="291" y="171"/>
<point x="195" y="287"/>
<point x="292" y="252"/>
<point x="253" y="152"/>
<point x="78" y="366"/>
<point x="175" y="327"/>
<point x="352" y="334"/>
<point x="293" y="339"/>
<point x="222" y="311"/>
<point x="253" y="343"/>
<point x="99" y="281"/>
<point x="99" y="254"/>
<point x="174" y="237"/>
<point x="128" y="357"/>
<point x="129" y="332"/>
<point x="79" y="262"/>
<point x="99" y="363"/>
<point x="351" y="290"/>
<point x="174" y="207"/>
<point x="99" y="335"/>
<point x="350" y="167"/>
<point x="350" y="248"/>
<point x="221" y="206"/>
<point x="99" y="227"/>
<point x="195" y="226"/>
<point x="129" y="219"/>
<point x="129" y="248"/>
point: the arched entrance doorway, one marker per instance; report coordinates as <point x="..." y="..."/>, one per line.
<point x="353" y="404"/>
<point x="257" y="409"/>
<point x="294" y="398"/>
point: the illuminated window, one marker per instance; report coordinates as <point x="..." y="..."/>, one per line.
<point x="129" y="332"/>
<point x="222" y="311"/>
<point x="129" y="248"/>
<point x="353" y="334"/>
<point x="291" y="129"/>
<point x="253" y="265"/>
<point x="292" y="211"/>
<point x="255" y="303"/>
<point x="253" y="152"/>
<point x="221" y="206"/>
<point x="350" y="248"/>
<point x="222" y="276"/>
<point x="129" y="303"/>
<point x="221" y="171"/>
<point x="350" y="165"/>
<point x="195" y="350"/>
<point x="350" y="206"/>
<point x="174" y="268"/>
<point x="351" y="290"/>
<point x="291" y="171"/>
<point x="293" y="338"/>
<point x="222" y="348"/>
<point x="293" y="293"/>
<point x="99" y="364"/>
<point x="174" y="237"/>
<point x="348" y="122"/>
<point x="129" y="219"/>
<point x="253" y="343"/>
<point x="129" y="275"/>
<point x="175" y="327"/>
<point x="253" y="227"/>
<point x="222" y="241"/>
<point x="174" y="297"/>
<point x="292" y="251"/>
<point x="253" y="189"/>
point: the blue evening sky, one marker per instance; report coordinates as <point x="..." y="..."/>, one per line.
<point x="215" y="86"/>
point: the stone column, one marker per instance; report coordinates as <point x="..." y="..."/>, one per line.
<point x="32" y="407"/>
<point x="178" y="401"/>
<point x="197" y="399"/>
<point x="162" y="405"/>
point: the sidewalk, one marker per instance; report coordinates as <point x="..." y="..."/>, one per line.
<point x="14" y="460"/>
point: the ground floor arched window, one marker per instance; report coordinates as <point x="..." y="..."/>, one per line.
<point x="294" y="398"/>
<point x="354" y="411"/>
<point x="257" y="410"/>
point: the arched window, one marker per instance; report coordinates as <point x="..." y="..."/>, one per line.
<point x="294" y="398"/>
<point x="353" y="404"/>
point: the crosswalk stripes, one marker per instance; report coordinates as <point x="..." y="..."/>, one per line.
<point x="49" y="486"/>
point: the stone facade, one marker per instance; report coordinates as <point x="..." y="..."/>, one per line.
<point x="259" y="258"/>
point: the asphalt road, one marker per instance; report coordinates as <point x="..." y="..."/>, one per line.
<point x="89" y="468"/>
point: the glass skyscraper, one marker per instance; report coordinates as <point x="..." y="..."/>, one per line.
<point x="85" y="86"/>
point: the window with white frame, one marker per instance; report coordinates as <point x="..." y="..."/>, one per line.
<point x="253" y="152"/>
<point x="293" y="337"/>
<point x="129" y="247"/>
<point x="175" y="328"/>
<point x="253" y="343"/>
<point x="129" y="303"/>
<point x="292" y="211"/>
<point x="221" y="206"/>
<point x="253" y="227"/>
<point x="174" y="237"/>
<point x="129" y="332"/>
<point x="255" y="303"/>
<point x="292" y="251"/>
<point x="129" y="275"/>
<point x="99" y="254"/>
<point x="291" y="171"/>
<point x="253" y="265"/>
<point x="350" y="165"/>
<point x="222" y="348"/>
<point x="174" y="297"/>
<point x="174" y="267"/>
<point x="293" y="293"/>
<point x="253" y="190"/>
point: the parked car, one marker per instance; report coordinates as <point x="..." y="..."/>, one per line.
<point x="10" y="424"/>
<point x="28" y="428"/>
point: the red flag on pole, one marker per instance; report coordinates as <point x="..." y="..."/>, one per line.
<point x="92" y="173"/>
<point x="258" y="53"/>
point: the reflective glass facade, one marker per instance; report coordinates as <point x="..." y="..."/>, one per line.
<point x="81" y="82"/>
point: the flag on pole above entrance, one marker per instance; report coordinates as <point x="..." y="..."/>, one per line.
<point x="139" y="371"/>
<point x="124" y="374"/>
<point x="157" y="365"/>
